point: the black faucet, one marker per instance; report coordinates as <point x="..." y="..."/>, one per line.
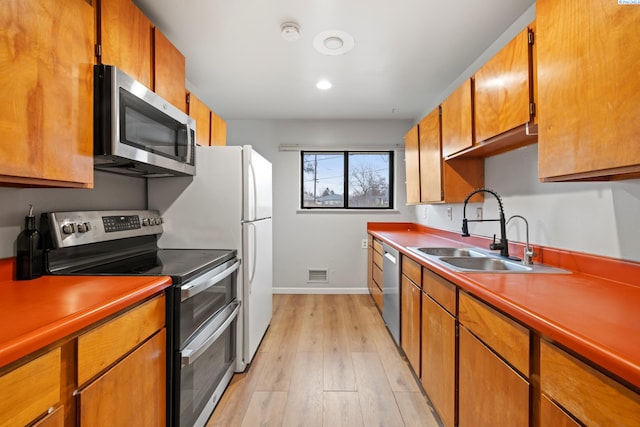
<point x="503" y="245"/>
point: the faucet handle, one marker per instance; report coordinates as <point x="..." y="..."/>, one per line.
<point x="527" y="255"/>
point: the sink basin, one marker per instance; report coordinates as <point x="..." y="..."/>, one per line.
<point x="451" y="252"/>
<point x="485" y="264"/>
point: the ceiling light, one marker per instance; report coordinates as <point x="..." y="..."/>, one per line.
<point x="333" y="42"/>
<point x="324" y="85"/>
<point x="290" y="31"/>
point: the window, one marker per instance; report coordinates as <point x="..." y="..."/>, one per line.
<point x="365" y="176"/>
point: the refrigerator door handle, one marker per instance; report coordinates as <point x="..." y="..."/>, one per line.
<point x="254" y="249"/>
<point x="254" y="201"/>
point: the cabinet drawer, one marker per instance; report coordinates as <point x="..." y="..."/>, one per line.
<point x="54" y="419"/>
<point x="102" y="346"/>
<point x="29" y="391"/>
<point x="592" y="397"/>
<point x="412" y="270"/>
<point x="441" y="290"/>
<point x="377" y="246"/>
<point x="377" y="258"/>
<point x="506" y="337"/>
<point x="376" y="293"/>
<point x="377" y="276"/>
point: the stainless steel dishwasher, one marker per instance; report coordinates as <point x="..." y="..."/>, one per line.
<point x="391" y="290"/>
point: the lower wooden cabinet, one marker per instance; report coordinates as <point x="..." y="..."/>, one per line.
<point x="410" y="322"/>
<point x="491" y="393"/>
<point x="53" y="419"/>
<point x="131" y="393"/>
<point x="375" y="271"/>
<point x="439" y="358"/>
<point x="590" y="396"/>
<point x="553" y="416"/>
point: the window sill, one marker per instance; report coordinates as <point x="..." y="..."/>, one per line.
<point x="347" y="211"/>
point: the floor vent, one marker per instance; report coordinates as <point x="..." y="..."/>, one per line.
<point x="317" y="275"/>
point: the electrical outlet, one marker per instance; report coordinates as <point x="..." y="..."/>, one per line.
<point x="479" y="213"/>
<point x="364" y="244"/>
<point x="450" y="214"/>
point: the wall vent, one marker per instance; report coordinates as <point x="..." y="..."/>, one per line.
<point x="317" y="275"/>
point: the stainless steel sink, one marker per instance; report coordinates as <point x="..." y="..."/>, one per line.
<point x="452" y="252"/>
<point x="485" y="264"/>
<point x="469" y="260"/>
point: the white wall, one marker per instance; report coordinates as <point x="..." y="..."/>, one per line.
<point x="110" y="192"/>
<point x="331" y="240"/>
<point x="592" y="217"/>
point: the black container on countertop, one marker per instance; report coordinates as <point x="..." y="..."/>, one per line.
<point x="29" y="261"/>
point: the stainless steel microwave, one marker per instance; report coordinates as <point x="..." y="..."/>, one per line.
<point x="137" y="132"/>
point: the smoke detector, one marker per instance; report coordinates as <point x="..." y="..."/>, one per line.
<point x="333" y="42"/>
<point x="290" y="31"/>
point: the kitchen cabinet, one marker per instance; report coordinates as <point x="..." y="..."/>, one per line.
<point x="46" y="87"/>
<point x="412" y="166"/>
<point x="202" y="115"/>
<point x="124" y="39"/>
<point x="589" y="90"/>
<point x="457" y="119"/>
<point x="592" y="397"/>
<point x="28" y="391"/>
<point x="375" y="284"/>
<point x="410" y="309"/>
<point x="439" y="301"/>
<point x="553" y="416"/>
<point x="504" y="98"/>
<point x="493" y="367"/>
<point x="218" y="130"/>
<point x="168" y="71"/>
<point x="444" y="181"/>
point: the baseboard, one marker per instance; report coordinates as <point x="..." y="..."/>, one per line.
<point x="314" y="291"/>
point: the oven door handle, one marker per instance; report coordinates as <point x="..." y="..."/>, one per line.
<point x="199" y="285"/>
<point x="191" y="353"/>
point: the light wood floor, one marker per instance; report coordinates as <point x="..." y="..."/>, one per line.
<point x="326" y="360"/>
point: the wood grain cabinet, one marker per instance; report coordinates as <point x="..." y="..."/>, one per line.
<point x="125" y="39"/>
<point x="591" y="397"/>
<point x="588" y="89"/>
<point x="493" y="367"/>
<point x="438" y="355"/>
<point x="504" y="98"/>
<point x="211" y="129"/>
<point x="218" y="130"/>
<point x="168" y="71"/>
<point x="375" y="271"/>
<point x="457" y="119"/>
<point x="412" y="166"/>
<point x="46" y="88"/>
<point x="410" y="311"/>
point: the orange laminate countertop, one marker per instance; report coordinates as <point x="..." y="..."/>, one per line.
<point x="591" y="315"/>
<point x="39" y="312"/>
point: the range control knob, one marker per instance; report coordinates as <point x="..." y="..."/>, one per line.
<point x="68" y="229"/>
<point x="145" y="222"/>
<point x="159" y="220"/>
<point x="83" y="227"/>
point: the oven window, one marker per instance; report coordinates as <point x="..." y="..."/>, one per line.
<point x="195" y="311"/>
<point x="199" y="379"/>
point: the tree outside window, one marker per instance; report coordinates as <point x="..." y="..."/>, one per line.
<point x="365" y="177"/>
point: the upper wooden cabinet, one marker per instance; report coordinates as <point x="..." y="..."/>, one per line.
<point x="457" y="119"/>
<point x="168" y="71"/>
<point x="430" y="158"/>
<point x="412" y="166"/>
<point x="504" y="103"/>
<point x="46" y="88"/>
<point x="589" y="90"/>
<point x="218" y="130"/>
<point x="202" y="115"/>
<point x="124" y="39"/>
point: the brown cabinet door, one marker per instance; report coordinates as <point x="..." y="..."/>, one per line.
<point x="202" y="115"/>
<point x="503" y="89"/>
<point x="412" y="165"/>
<point x="218" y="130"/>
<point x="490" y="392"/>
<point x="457" y="120"/>
<point x="131" y="393"/>
<point x="46" y="88"/>
<point x="168" y="71"/>
<point x="552" y="416"/>
<point x="588" y="89"/>
<point x="430" y="158"/>
<point x="410" y="323"/>
<point x="438" y="358"/>
<point x="125" y="39"/>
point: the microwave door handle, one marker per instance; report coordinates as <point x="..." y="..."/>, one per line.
<point x="191" y="354"/>
<point x="197" y="286"/>
<point x="190" y="142"/>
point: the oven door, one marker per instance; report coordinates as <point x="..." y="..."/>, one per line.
<point x="207" y="364"/>
<point x="202" y="297"/>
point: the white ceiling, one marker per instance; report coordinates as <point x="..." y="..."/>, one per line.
<point x="407" y="52"/>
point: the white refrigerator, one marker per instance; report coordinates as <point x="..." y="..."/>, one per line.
<point x="226" y="205"/>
